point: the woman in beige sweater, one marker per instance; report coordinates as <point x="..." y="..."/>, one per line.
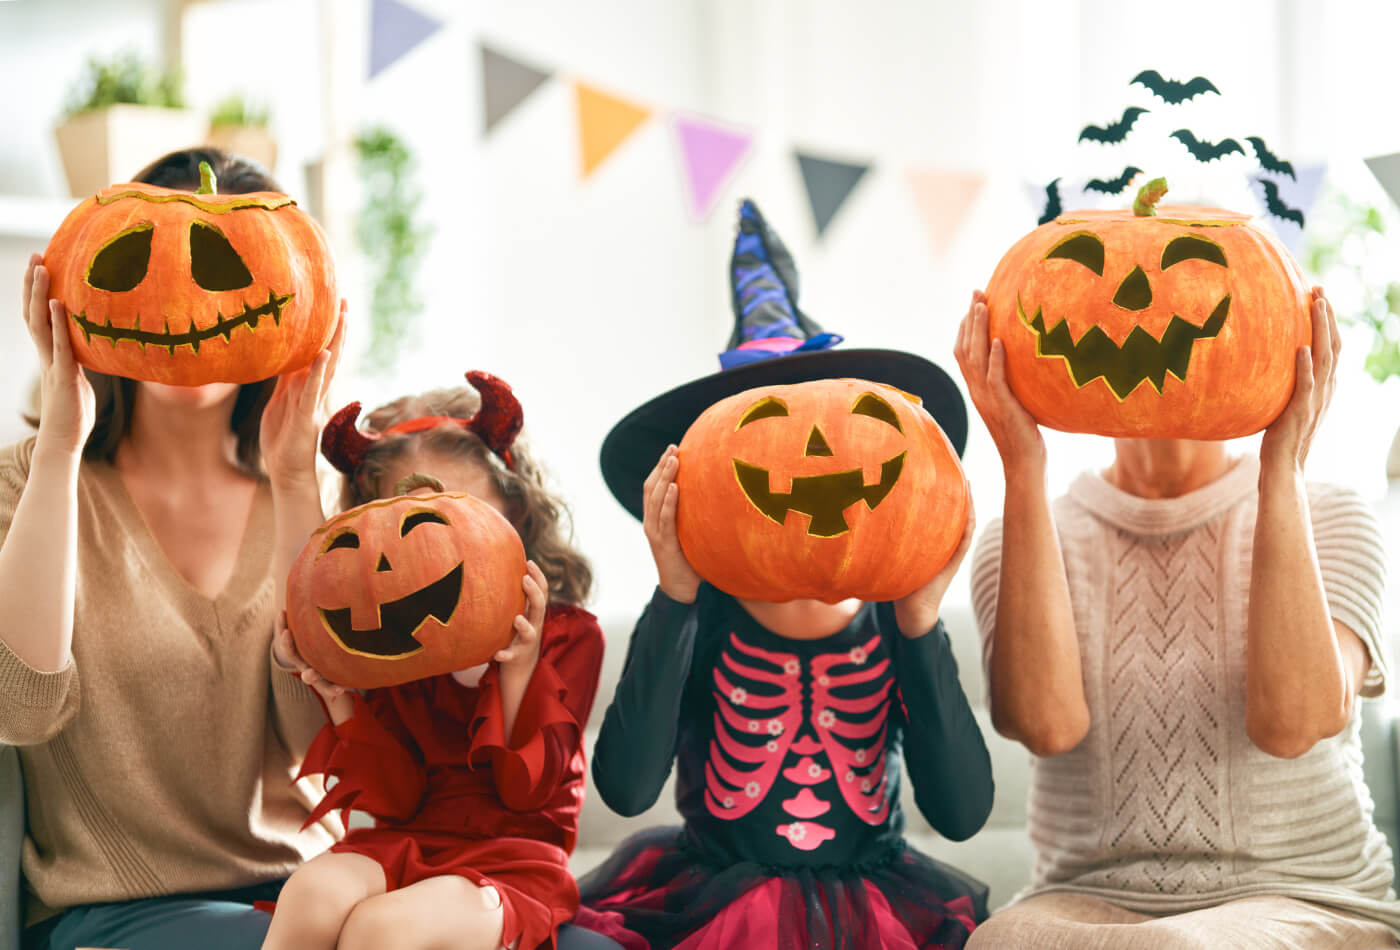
<point x="158" y="740"/>
<point x="1180" y="642"/>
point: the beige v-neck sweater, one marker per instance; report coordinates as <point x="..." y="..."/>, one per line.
<point x="161" y="759"/>
<point x="1166" y="805"/>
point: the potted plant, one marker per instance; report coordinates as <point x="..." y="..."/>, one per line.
<point x="122" y="113"/>
<point x="240" y="126"/>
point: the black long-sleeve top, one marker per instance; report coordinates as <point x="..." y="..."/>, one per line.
<point x="788" y="751"/>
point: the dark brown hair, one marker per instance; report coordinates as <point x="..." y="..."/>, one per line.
<point x="540" y="517"/>
<point x="116" y="394"/>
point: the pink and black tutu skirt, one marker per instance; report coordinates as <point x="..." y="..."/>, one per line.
<point x="658" y="891"/>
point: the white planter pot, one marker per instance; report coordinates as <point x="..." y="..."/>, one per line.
<point x="249" y="141"/>
<point x="110" y="145"/>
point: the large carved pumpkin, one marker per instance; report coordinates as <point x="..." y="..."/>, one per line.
<point x="192" y="288"/>
<point x="1184" y="324"/>
<point x="403" y="588"/>
<point x="827" y="489"/>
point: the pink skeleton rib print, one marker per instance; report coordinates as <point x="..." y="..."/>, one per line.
<point x="812" y="731"/>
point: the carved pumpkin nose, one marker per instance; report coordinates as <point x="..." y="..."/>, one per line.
<point x="816" y="444"/>
<point x="383" y="564"/>
<point x="1135" y="293"/>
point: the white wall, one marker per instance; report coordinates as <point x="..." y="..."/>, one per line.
<point x="593" y="296"/>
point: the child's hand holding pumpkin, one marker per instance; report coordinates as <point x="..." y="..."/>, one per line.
<point x="519" y="658"/>
<point x="676" y="578"/>
<point x="340" y="704"/>
<point x="916" y="614"/>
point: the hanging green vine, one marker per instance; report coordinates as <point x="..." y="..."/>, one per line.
<point x="392" y="241"/>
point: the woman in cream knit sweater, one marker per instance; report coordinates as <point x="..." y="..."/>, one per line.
<point x="1180" y="642"/>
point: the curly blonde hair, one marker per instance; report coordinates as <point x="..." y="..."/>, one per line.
<point x="538" y="515"/>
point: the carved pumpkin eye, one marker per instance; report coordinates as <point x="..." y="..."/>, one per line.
<point x="346" y="539"/>
<point x="121" y="263"/>
<point x="872" y="405"/>
<point x="763" y="409"/>
<point x="214" y="263"/>
<point x="1192" y="249"/>
<point x="420" y="517"/>
<point x="1084" y="248"/>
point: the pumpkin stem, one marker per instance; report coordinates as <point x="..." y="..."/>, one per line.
<point x="208" y="184"/>
<point x="417" y="480"/>
<point x="1147" y="196"/>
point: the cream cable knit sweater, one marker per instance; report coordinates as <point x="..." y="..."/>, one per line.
<point x="1166" y="805"/>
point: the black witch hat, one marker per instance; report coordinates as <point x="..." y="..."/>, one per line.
<point x="774" y="343"/>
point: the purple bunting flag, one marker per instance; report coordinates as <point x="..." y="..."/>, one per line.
<point x="711" y="152"/>
<point x="395" y="30"/>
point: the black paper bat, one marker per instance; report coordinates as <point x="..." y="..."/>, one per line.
<point x="1268" y="160"/>
<point x="1206" y="151"/>
<point x="1052" y="203"/>
<point x="1114" y="132"/>
<point x="1171" y="91"/>
<point x="1276" y="207"/>
<point x="1113" y="186"/>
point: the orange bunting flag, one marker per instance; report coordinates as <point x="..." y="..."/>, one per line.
<point x="604" y="123"/>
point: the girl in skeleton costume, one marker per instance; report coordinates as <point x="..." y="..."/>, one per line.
<point x="474" y="778"/>
<point x="787" y="722"/>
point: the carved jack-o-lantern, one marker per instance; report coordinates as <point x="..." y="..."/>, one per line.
<point x="827" y="489"/>
<point x="403" y="588"/>
<point x="192" y="288"/>
<point x="1180" y="324"/>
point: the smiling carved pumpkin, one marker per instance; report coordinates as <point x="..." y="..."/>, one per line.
<point x="1184" y="323"/>
<point x="404" y="588"/>
<point x="192" y="288"/>
<point x="827" y="489"/>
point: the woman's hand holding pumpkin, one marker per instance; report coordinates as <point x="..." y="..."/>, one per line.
<point x="1288" y="438"/>
<point x="290" y="423"/>
<point x="983" y="364"/>
<point x="69" y="407"/>
<point x="916" y="614"/>
<point x="676" y="578"/>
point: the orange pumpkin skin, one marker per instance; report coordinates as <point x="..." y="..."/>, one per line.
<point x="269" y="318"/>
<point x="773" y="438"/>
<point x="334" y="585"/>
<point x="1236" y="382"/>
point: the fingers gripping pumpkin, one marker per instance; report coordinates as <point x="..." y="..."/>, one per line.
<point x="1179" y="322"/>
<point x="192" y="288"/>
<point x="404" y="588"/>
<point x="827" y="489"/>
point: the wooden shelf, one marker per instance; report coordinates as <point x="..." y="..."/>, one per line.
<point x="34" y="219"/>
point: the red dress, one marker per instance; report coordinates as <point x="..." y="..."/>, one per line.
<point x="430" y="762"/>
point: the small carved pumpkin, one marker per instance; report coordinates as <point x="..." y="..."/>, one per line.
<point x="191" y="288"/>
<point x="404" y="588"/>
<point x="1181" y="323"/>
<point x="827" y="489"/>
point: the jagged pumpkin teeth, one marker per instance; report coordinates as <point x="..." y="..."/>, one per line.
<point x="194" y="257"/>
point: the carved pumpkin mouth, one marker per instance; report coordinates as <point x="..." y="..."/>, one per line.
<point x="399" y="619"/>
<point x="824" y="498"/>
<point x="1141" y="357"/>
<point x="192" y="337"/>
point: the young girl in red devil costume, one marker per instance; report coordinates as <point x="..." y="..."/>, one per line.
<point x="474" y="778"/>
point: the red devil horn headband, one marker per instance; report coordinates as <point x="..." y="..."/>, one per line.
<point x="496" y="423"/>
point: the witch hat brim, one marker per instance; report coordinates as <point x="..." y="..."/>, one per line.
<point x="633" y="447"/>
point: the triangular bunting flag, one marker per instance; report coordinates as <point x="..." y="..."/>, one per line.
<point x="395" y="29"/>
<point x="505" y="83"/>
<point x="1292" y="196"/>
<point x="711" y="152"/>
<point x="604" y="123"/>
<point x="944" y="198"/>
<point x="829" y="184"/>
<point x="1386" y="168"/>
